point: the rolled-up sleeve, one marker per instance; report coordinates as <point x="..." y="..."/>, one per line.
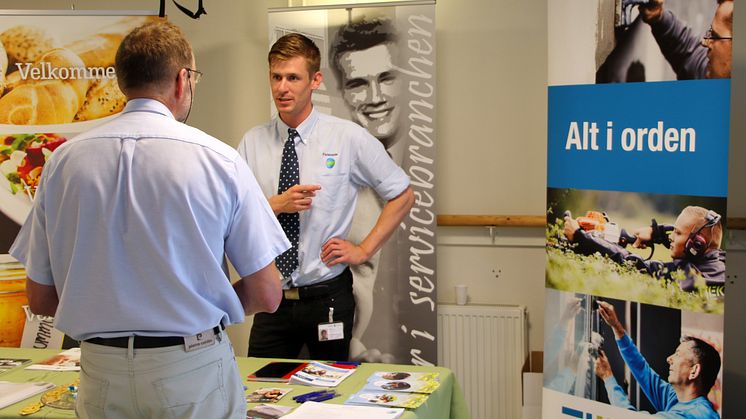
<point x="376" y="169"/>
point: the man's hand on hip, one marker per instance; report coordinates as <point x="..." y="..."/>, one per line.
<point x="336" y="251"/>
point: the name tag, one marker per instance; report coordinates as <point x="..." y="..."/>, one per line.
<point x="199" y="341"/>
<point x="331" y="331"/>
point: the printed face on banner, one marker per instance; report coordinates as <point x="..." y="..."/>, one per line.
<point x="719" y="42"/>
<point x="686" y="225"/>
<point x="370" y="86"/>
<point x="681" y="363"/>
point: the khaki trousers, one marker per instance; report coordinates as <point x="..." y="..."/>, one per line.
<point x="160" y="382"/>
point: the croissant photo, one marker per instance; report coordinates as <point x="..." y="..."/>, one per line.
<point x="44" y="81"/>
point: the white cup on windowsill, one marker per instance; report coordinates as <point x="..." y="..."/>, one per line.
<point x="462" y="294"/>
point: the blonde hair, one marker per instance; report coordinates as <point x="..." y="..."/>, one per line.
<point x="296" y="45"/>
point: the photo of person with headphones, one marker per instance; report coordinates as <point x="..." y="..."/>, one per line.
<point x="694" y="241"/>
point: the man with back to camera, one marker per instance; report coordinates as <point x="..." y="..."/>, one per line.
<point x="693" y="369"/>
<point x="694" y="242"/>
<point x="126" y="240"/>
<point x="362" y="56"/>
<point x="310" y="166"/>
<point x="691" y="56"/>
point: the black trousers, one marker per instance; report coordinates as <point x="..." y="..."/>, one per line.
<point x="283" y="333"/>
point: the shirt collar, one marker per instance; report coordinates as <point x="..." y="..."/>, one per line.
<point x="147" y="105"/>
<point x="304" y="129"/>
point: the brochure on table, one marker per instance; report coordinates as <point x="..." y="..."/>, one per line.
<point x="68" y="360"/>
<point x="321" y="375"/>
<point x="403" y="382"/>
<point x="313" y="410"/>
<point x="11" y="393"/>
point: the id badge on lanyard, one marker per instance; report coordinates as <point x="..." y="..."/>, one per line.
<point x="331" y="330"/>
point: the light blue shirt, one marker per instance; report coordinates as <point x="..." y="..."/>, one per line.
<point x="660" y="393"/>
<point x="339" y="155"/>
<point x="131" y="223"/>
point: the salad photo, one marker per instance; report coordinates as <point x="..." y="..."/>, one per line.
<point x="22" y="157"/>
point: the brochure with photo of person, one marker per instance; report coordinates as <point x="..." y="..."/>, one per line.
<point x="322" y="375"/>
<point x="406" y="382"/>
<point x="403" y="386"/>
<point x="388" y="399"/>
<point x="68" y="360"/>
<point x="267" y="395"/>
<point x="408" y="376"/>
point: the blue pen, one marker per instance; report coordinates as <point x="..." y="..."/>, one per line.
<point x="303" y="397"/>
<point x="355" y="363"/>
<point x="323" y="397"/>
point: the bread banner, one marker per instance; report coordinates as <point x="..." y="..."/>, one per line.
<point x="49" y="91"/>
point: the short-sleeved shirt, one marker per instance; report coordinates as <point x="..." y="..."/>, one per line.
<point x="337" y="154"/>
<point x="132" y="222"/>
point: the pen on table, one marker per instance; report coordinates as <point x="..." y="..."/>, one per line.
<point x="348" y="363"/>
<point x="318" y="396"/>
<point x="312" y="394"/>
<point x="328" y="396"/>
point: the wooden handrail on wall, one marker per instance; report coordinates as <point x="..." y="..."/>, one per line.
<point x="451" y="220"/>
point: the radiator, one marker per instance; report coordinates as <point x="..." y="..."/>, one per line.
<point x="485" y="347"/>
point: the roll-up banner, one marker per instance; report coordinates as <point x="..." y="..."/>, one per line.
<point x="57" y="79"/>
<point x="638" y="131"/>
<point x="388" y="51"/>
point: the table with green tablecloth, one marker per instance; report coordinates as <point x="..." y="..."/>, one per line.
<point x="446" y="402"/>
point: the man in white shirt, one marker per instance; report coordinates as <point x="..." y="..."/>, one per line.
<point x="332" y="159"/>
<point x="126" y="241"/>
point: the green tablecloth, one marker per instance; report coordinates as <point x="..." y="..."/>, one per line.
<point x="446" y="402"/>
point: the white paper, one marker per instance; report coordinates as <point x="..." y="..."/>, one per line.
<point x="15" y="392"/>
<point x="314" y="410"/>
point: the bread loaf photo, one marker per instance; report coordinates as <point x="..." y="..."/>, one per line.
<point x="103" y="99"/>
<point x="25" y="44"/>
<point x="50" y="101"/>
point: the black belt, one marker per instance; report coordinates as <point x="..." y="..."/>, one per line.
<point x="145" y="342"/>
<point x="310" y="292"/>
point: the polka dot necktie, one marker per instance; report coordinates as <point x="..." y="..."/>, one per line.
<point x="290" y="222"/>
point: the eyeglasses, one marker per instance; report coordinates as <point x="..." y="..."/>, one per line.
<point x="710" y="35"/>
<point x="197" y="74"/>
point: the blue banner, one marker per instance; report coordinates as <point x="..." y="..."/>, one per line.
<point x="664" y="137"/>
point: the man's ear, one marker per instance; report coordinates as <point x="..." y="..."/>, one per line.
<point x="694" y="371"/>
<point x="182" y="78"/>
<point x="316" y="80"/>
